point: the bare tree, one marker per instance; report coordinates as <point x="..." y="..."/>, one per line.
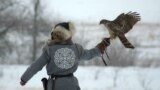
<point x="6" y="23"/>
<point x="5" y="4"/>
<point x="36" y="6"/>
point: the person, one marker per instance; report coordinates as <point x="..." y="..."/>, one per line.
<point x="61" y="57"/>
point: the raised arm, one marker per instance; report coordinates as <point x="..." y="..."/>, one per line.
<point x="85" y="54"/>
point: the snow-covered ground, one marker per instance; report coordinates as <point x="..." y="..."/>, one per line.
<point x="90" y="78"/>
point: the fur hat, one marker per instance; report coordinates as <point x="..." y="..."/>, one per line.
<point x="66" y="30"/>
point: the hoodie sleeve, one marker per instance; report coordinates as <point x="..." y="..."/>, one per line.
<point x="36" y="66"/>
<point x="87" y="54"/>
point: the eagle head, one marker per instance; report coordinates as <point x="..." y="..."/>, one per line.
<point x="104" y="21"/>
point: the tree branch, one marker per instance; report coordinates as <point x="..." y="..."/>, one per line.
<point x="4" y="31"/>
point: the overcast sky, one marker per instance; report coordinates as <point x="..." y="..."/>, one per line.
<point x="94" y="10"/>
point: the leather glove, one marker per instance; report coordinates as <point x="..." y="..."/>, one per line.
<point x="103" y="44"/>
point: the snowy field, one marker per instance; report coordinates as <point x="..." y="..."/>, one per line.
<point x="90" y="78"/>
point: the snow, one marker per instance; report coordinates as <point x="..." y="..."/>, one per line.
<point x="90" y="78"/>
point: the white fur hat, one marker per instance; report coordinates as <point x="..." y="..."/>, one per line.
<point x="66" y="30"/>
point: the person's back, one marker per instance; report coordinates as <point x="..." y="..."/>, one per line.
<point x="61" y="57"/>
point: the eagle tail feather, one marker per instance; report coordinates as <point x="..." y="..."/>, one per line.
<point x="125" y="42"/>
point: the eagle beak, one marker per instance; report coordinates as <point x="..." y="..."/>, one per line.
<point x="100" y="23"/>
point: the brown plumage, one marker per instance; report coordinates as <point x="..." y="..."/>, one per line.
<point x="121" y="25"/>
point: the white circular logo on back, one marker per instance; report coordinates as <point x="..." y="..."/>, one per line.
<point x="64" y="58"/>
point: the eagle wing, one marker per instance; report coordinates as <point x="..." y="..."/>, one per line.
<point x="127" y="21"/>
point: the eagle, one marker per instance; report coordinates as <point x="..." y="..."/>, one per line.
<point x="121" y="25"/>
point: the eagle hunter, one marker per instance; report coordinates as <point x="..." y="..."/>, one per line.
<point x="121" y="25"/>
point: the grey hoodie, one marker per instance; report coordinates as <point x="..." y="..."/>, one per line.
<point x="61" y="59"/>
